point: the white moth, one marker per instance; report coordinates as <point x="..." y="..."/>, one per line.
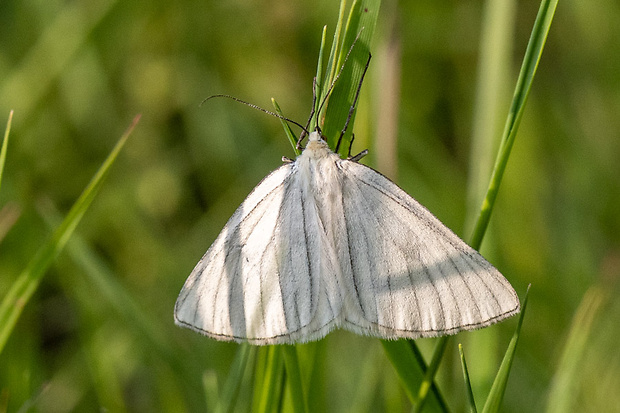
<point x="324" y="243"/>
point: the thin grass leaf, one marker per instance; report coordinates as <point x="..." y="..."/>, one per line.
<point x="471" y="402"/>
<point x="410" y="369"/>
<point x="5" y="144"/>
<point x="259" y="371"/>
<point x="318" y="81"/>
<point x="114" y="300"/>
<point x="287" y="128"/>
<point x="533" y="53"/>
<point x="110" y="290"/>
<point x="361" y="22"/>
<point x="230" y="390"/>
<point x="272" y="381"/>
<point x="531" y="59"/>
<point x="492" y="92"/>
<point x="26" y="284"/>
<point x="293" y="374"/>
<point x="210" y="388"/>
<point x="312" y="357"/>
<point x="429" y="375"/>
<point x="496" y="395"/>
<point x="563" y="390"/>
<point x="333" y="56"/>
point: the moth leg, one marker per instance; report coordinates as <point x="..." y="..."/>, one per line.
<point x="352" y="109"/>
<point x="359" y="155"/>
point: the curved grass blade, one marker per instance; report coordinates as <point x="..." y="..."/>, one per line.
<point x="533" y="53"/>
<point x="471" y="403"/>
<point x="26" y="284"/>
<point x="5" y="144"/>
<point x="498" y="389"/>
<point x="492" y="92"/>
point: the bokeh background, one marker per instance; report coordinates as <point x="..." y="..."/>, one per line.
<point x="99" y="333"/>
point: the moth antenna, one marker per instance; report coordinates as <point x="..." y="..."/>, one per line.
<point x="304" y="129"/>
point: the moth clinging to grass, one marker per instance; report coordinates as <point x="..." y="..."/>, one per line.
<point x="324" y="243"/>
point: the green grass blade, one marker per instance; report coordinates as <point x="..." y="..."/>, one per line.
<point x="498" y="389"/>
<point x="531" y="59"/>
<point x="362" y="21"/>
<point x="5" y="144"/>
<point x="562" y="393"/>
<point x="429" y="375"/>
<point x="333" y="55"/>
<point x="26" y="284"/>
<point x="533" y="53"/>
<point x="410" y="369"/>
<point x="471" y="403"/>
<point x="287" y="128"/>
<point x="293" y="374"/>
<point x="492" y="93"/>
<point x="119" y="299"/>
<point x="210" y="389"/>
<point x="272" y="386"/>
<point x="319" y="80"/>
<point x="230" y="390"/>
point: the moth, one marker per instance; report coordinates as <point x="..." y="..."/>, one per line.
<point x="324" y="243"/>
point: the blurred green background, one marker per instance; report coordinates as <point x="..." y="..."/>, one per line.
<point x="99" y="332"/>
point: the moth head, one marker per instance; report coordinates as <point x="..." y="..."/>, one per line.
<point x="315" y="136"/>
<point x="316" y="144"/>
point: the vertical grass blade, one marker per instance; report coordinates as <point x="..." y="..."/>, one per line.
<point x="533" y="53"/>
<point x="471" y="403"/>
<point x="26" y="284"/>
<point x="496" y="395"/>
<point x="318" y="83"/>
<point x="293" y="374"/>
<point x="270" y="393"/>
<point x="333" y="54"/>
<point x="230" y="390"/>
<point x="361" y="22"/>
<point x="5" y="144"/>
<point x="562" y="393"/>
